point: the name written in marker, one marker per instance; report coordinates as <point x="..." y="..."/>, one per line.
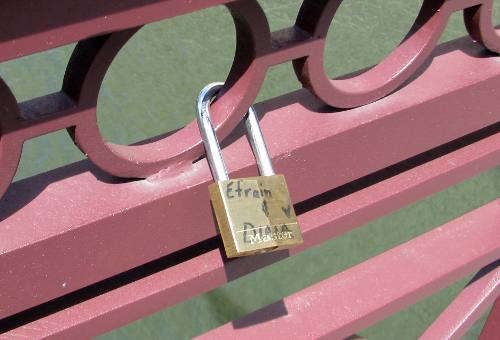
<point x="235" y="190"/>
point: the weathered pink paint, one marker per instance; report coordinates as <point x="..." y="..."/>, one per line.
<point x="468" y="307"/>
<point x="491" y="330"/>
<point x="362" y="295"/>
<point x="209" y="270"/>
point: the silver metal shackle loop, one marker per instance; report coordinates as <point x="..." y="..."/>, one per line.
<point x="258" y="144"/>
<point x="212" y="147"/>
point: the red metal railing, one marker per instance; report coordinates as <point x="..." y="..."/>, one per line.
<point x="359" y="163"/>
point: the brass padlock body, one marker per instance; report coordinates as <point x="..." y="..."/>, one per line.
<point x="255" y="215"/>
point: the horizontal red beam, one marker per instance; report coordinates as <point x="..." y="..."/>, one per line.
<point x="369" y="292"/>
<point x="109" y="227"/>
<point x="208" y="271"/>
<point x="44" y="25"/>
<point x="468" y="307"/>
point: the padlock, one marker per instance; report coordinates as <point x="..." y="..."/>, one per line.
<point x="255" y="215"/>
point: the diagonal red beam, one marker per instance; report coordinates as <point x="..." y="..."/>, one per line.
<point x="208" y="271"/>
<point x="467" y="308"/>
<point x="491" y="330"/>
<point x="359" y="297"/>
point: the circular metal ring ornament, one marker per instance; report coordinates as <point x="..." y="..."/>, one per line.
<point x="315" y="18"/>
<point x="92" y="58"/>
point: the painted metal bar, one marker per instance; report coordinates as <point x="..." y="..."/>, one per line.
<point x="377" y="288"/>
<point x="468" y="307"/>
<point x="176" y="283"/>
<point x="44" y="25"/>
<point x="81" y="246"/>
<point x="100" y="41"/>
<point x="491" y="330"/>
<point x="41" y="25"/>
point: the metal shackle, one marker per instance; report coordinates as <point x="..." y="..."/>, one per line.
<point x="212" y="147"/>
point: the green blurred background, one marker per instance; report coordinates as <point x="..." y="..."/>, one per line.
<point x="151" y="88"/>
